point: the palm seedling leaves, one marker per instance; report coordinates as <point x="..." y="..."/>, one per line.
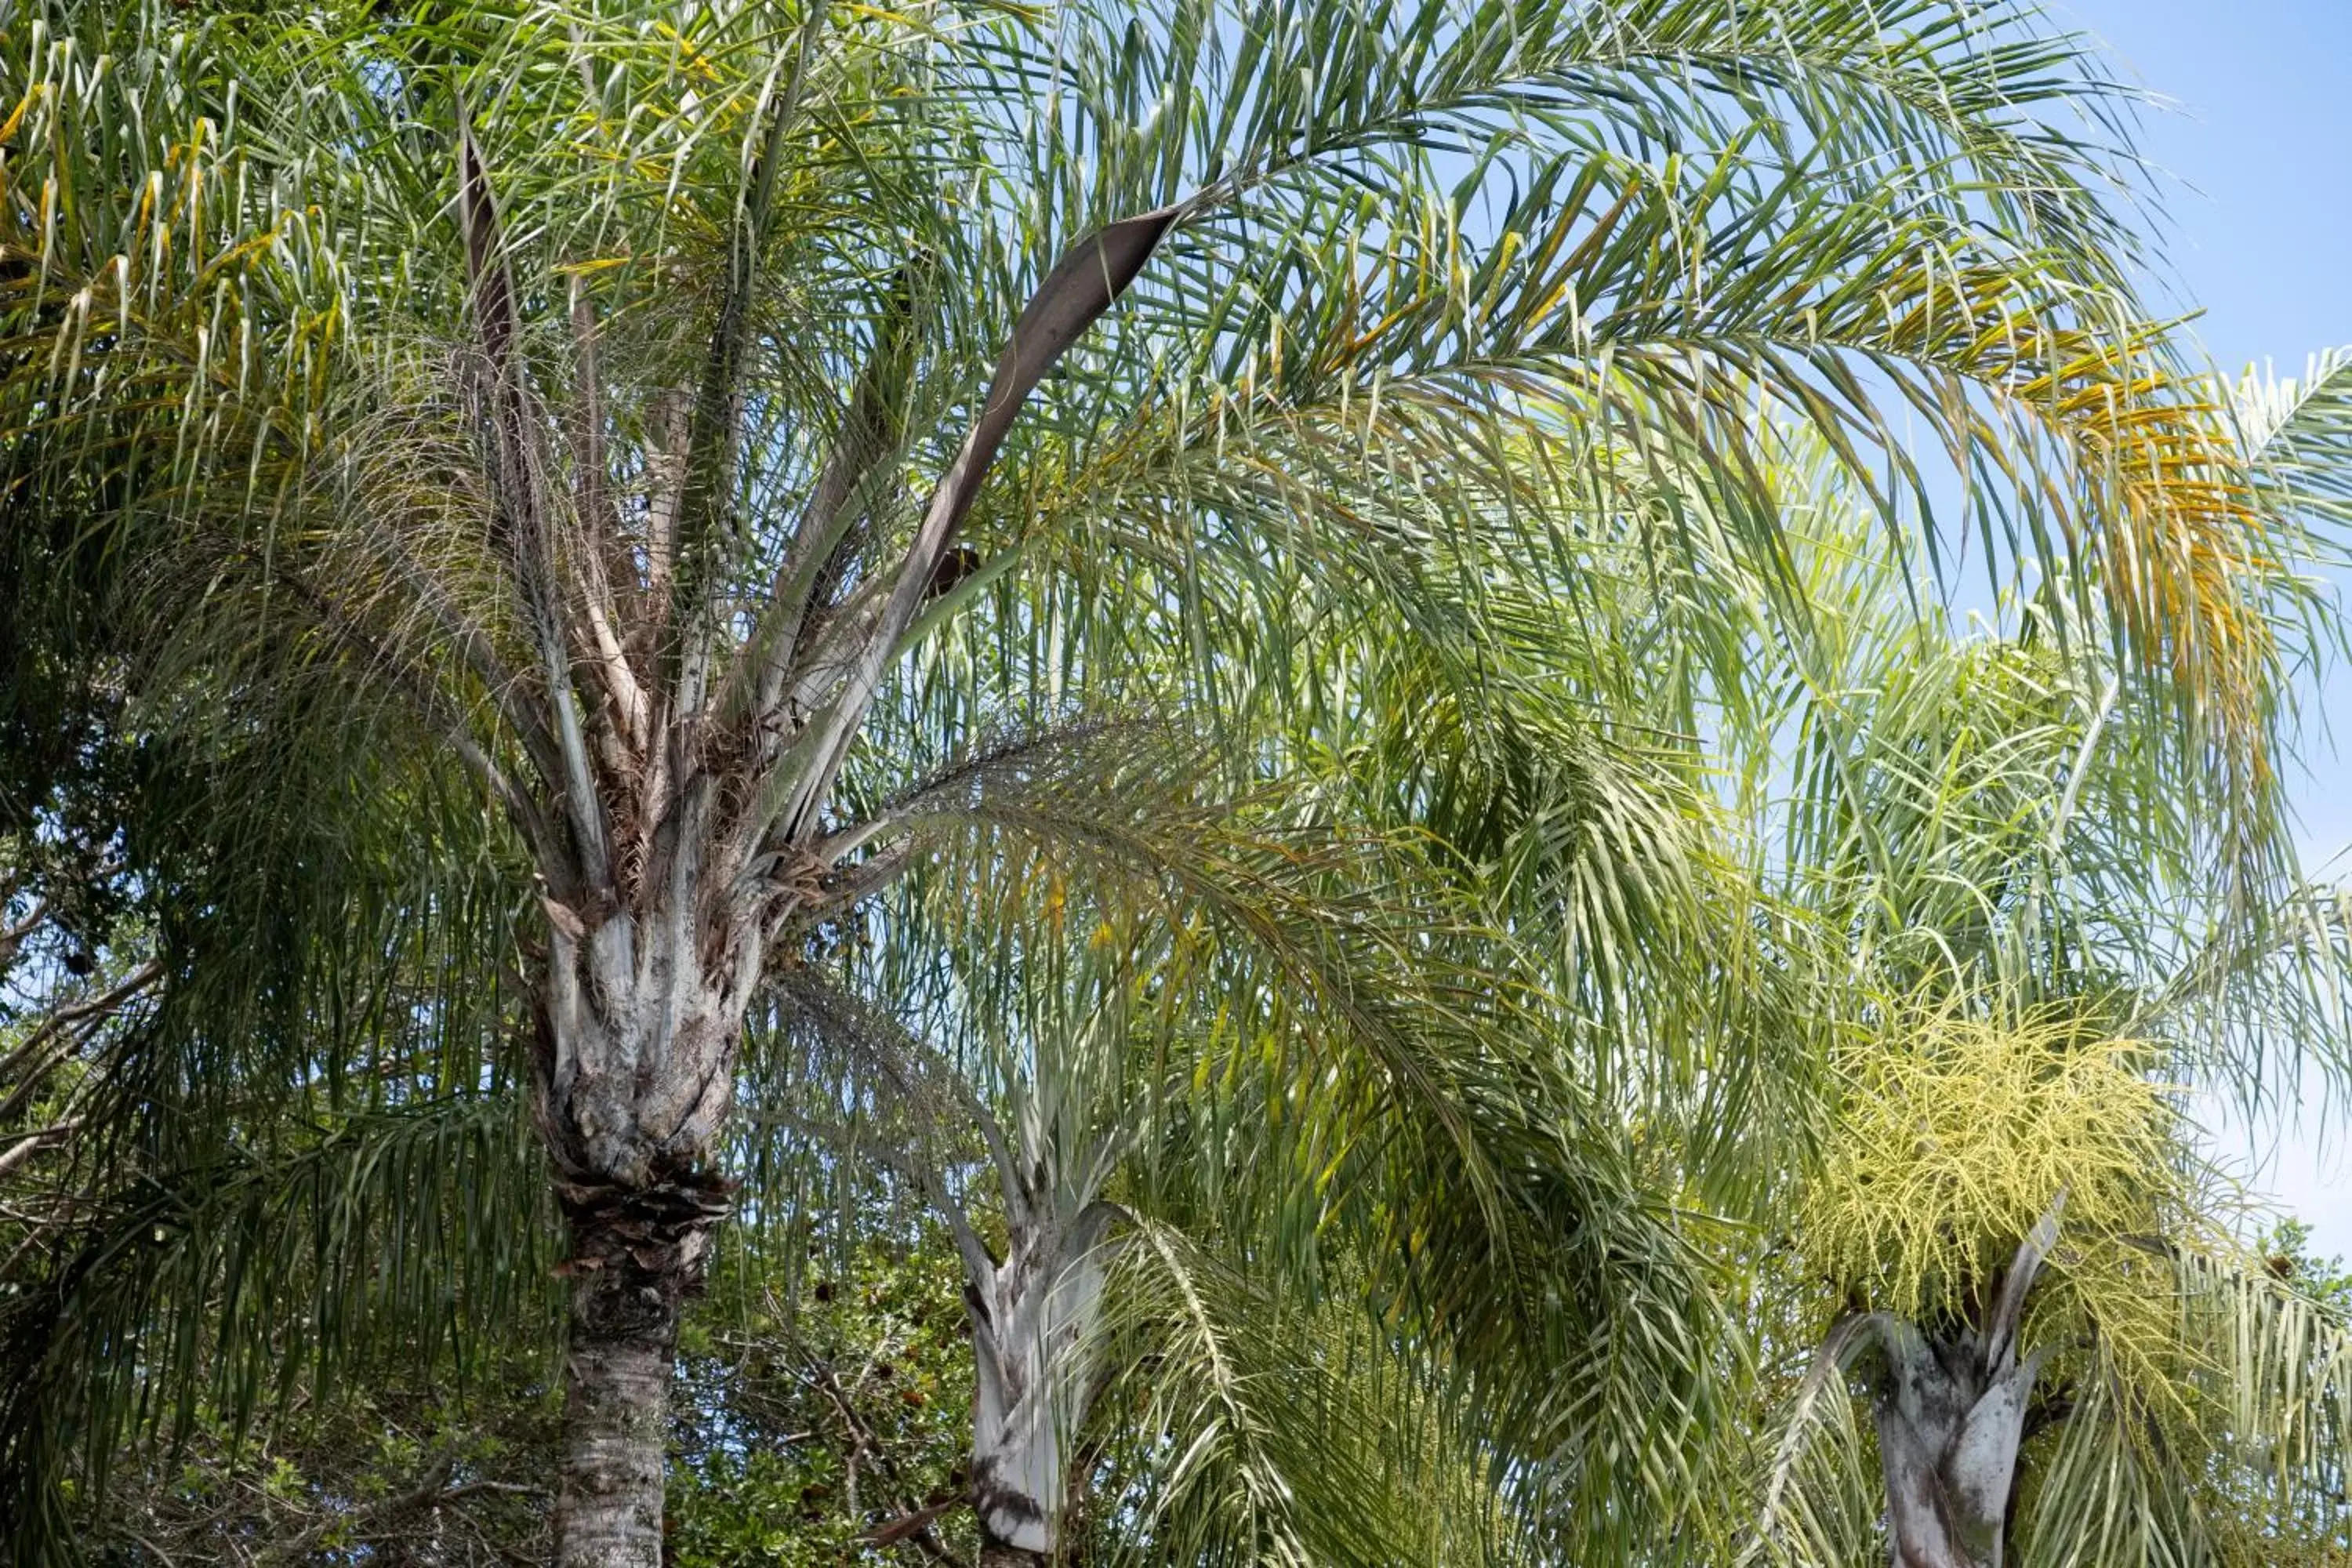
<point x="603" y="390"/>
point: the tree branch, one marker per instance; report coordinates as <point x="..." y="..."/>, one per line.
<point x="14" y="936"/>
<point x="34" y="1069"/>
<point x="28" y="1143"/>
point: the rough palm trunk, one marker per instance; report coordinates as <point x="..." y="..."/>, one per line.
<point x="1951" y="1410"/>
<point x="637" y="1058"/>
<point x="998" y="1554"/>
<point x="1949" y="1426"/>
<point x="622" y="1341"/>
<point x="1034" y="1318"/>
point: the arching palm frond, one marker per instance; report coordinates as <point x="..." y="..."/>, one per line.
<point x="1253" y="1430"/>
<point x="212" y="1293"/>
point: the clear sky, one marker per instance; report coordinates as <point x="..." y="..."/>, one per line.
<point x="2256" y="150"/>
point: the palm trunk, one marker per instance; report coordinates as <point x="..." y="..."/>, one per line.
<point x="1034" y="1318"/>
<point x="679" y="815"/>
<point x="622" y="1342"/>
<point x="635" y="1256"/>
<point x="1950" y="1413"/>
<point x="1949" y="1426"/>
<point x="635" y="1066"/>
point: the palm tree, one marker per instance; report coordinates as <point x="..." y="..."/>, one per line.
<point x="1157" y="1148"/>
<point x="600" y="390"/>
<point x="2029" y="1268"/>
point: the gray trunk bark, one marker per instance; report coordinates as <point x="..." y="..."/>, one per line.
<point x="1950" y="1414"/>
<point x="616" y="1373"/>
<point x="1034" y="1318"/>
<point x="635" y="1066"/>
<point x="1949" y="1427"/>
<point x="636" y="1254"/>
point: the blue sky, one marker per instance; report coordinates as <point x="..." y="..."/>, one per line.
<point x="2256" y="155"/>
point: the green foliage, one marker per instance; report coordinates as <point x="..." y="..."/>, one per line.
<point x="803" y="1428"/>
<point x="810" y="1426"/>
<point x="2285" y="1249"/>
<point x="386" y="1470"/>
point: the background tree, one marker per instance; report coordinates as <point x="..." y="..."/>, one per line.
<point x="2010" y="1241"/>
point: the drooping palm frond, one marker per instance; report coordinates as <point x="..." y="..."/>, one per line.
<point x="1434" y="329"/>
<point x="1252" y="1432"/>
<point x="308" y="1153"/>
<point x="2248" y="1469"/>
<point x="1975" y="803"/>
<point x="693" y="481"/>
<point x="1428" y="333"/>
<point x="225" y="1288"/>
<point x="1327" y="1062"/>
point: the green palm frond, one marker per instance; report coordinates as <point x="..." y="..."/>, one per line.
<point x="2295" y="432"/>
<point x="230" y="1286"/>
<point x="1255" y="1431"/>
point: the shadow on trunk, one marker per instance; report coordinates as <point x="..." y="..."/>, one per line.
<point x="1950" y="1413"/>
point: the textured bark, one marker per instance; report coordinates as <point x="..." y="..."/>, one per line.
<point x="622" y="1064"/>
<point x="635" y="1256"/>
<point x="1950" y="1414"/>
<point x="616" y="1373"/>
<point x="641" y="1013"/>
<point x="1033" y="1317"/>
<point x="995" y="1553"/>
